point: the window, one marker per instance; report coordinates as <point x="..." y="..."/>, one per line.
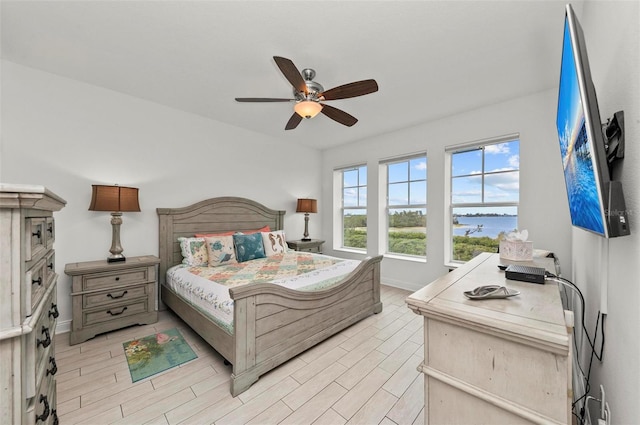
<point x="406" y="230"/>
<point x="485" y="190"/>
<point x="354" y="207"/>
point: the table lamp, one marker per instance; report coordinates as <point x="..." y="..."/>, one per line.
<point x="117" y="199"/>
<point x="307" y="206"/>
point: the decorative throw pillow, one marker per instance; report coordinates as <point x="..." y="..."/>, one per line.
<point x="260" y="230"/>
<point x="194" y="251"/>
<point x="248" y="247"/>
<point x="213" y="235"/>
<point x="274" y="243"/>
<point x="220" y="250"/>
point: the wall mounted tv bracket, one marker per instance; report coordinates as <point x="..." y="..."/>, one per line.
<point x="613" y="131"/>
<point x="616" y="211"/>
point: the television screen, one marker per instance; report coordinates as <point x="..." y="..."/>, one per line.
<point x="580" y="134"/>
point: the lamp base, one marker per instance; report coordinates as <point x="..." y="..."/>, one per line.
<point x="116" y="259"/>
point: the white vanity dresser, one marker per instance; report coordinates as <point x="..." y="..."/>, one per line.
<point x="28" y="304"/>
<point x="497" y="361"/>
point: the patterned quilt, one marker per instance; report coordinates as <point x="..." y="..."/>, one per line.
<point x="207" y="288"/>
<point x="265" y="270"/>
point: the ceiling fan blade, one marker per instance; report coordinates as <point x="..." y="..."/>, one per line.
<point x="339" y="115"/>
<point x="291" y="73"/>
<point x="293" y="121"/>
<point x="262" y="99"/>
<point x="358" y="88"/>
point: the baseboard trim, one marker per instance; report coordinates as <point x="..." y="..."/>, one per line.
<point x="63" y="327"/>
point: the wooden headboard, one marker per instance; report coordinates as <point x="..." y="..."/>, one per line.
<point x="213" y="215"/>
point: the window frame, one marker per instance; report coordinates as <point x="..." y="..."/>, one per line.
<point x="450" y="206"/>
<point x="339" y="190"/>
<point x="385" y="209"/>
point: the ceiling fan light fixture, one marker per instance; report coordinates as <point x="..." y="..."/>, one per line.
<point x="307" y="108"/>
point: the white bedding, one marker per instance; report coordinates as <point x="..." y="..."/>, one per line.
<point x="293" y="270"/>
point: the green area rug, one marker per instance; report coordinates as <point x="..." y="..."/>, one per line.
<point x="156" y="353"/>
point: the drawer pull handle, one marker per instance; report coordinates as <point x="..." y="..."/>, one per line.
<point x="54" y="311"/>
<point x="118" y="313"/>
<point x="37" y="234"/>
<point x="38" y="281"/>
<point x="54" y="367"/>
<point x="47" y="341"/>
<point x="50" y="229"/>
<point x="115" y="297"/>
<point x="50" y="266"/>
<point x="117" y="278"/>
<point x="45" y="413"/>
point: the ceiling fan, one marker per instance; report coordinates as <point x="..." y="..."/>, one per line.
<point x="309" y="94"/>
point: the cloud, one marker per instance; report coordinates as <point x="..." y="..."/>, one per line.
<point x="500" y="148"/>
<point x="422" y="165"/>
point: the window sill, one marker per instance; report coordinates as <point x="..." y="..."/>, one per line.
<point x="405" y="258"/>
<point x="351" y="250"/>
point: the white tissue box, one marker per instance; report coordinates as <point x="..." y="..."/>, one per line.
<point x="516" y="250"/>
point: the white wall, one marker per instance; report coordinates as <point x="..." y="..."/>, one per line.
<point x="543" y="205"/>
<point x="610" y="268"/>
<point x="67" y="135"/>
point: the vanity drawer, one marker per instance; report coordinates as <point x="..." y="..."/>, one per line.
<point x="114" y="296"/>
<point x="115" y="312"/>
<point x="116" y="278"/>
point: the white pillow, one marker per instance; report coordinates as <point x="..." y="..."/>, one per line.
<point x="194" y="251"/>
<point x="274" y="242"/>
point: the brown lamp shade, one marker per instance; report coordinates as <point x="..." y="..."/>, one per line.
<point x="307" y="206"/>
<point x="114" y="198"/>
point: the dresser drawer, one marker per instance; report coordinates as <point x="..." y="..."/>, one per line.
<point x="35" y="237"/>
<point x="36" y="283"/>
<point x="42" y="407"/>
<point x="50" y="267"/>
<point x="114" y="279"/>
<point x="39" y="343"/>
<point x="115" y="296"/>
<point x="115" y="312"/>
<point x="50" y="233"/>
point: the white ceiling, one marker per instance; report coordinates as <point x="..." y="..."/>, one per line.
<point x="430" y="58"/>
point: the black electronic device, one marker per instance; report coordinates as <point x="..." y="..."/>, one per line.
<point x="525" y="273"/>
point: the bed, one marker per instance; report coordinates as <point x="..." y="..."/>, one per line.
<point x="271" y="323"/>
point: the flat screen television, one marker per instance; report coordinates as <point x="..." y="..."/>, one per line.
<point x="596" y="203"/>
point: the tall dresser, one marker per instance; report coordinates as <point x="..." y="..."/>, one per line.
<point x="495" y="361"/>
<point x="28" y="304"/>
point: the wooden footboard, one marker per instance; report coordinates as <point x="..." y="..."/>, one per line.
<point x="272" y="324"/>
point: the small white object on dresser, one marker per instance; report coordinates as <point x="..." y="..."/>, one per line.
<point x="28" y="304"/>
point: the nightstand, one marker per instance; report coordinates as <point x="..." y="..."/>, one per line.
<point x="314" y="245"/>
<point x="108" y="296"/>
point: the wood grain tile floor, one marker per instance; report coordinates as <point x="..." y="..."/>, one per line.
<point x="366" y="374"/>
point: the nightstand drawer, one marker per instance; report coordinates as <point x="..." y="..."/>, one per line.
<point x="114" y="296"/>
<point x="114" y="279"/>
<point x="312" y="249"/>
<point x="114" y="312"/>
